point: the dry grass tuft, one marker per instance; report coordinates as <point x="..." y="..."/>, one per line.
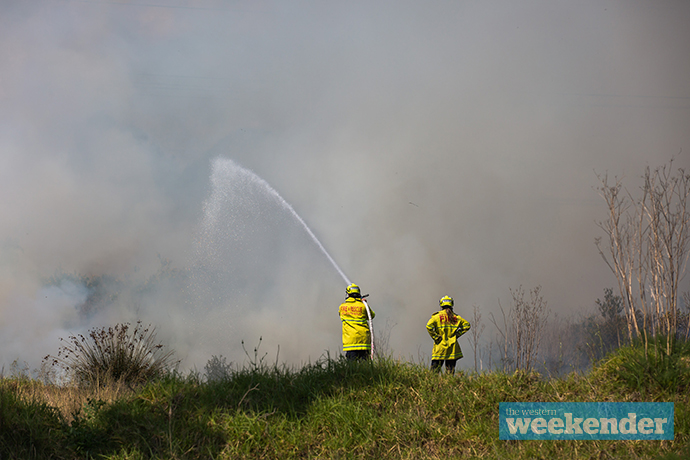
<point x="67" y="399"/>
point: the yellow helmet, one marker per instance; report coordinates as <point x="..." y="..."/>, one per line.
<point x="353" y="291"/>
<point x="446" y="302"/>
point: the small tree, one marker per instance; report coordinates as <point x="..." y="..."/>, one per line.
<point x="648" y="240"/>
<point x="117" y="353"/>
<point x="522" y="328"/>
<point x="611" y="309"/>
<point x="476" y="332"/>
<point x="217" y="369"/>
<point x="381" y="343"/>
<point x="606" y="332"/>
<point x="685" y="316"/>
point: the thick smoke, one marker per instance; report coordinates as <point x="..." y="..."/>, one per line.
<point x="445" y="149"/>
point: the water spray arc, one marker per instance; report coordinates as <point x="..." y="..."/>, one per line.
<point x="225" y="167"/>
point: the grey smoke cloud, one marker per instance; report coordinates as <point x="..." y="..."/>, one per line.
<point x="444" y="149"/>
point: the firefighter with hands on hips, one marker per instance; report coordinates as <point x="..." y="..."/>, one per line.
<point x="445" y="327"/>
<point x="356" y="333"/>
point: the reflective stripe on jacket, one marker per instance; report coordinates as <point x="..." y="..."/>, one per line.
<point x="356" y="334"/>
<point x="445" y="335"/>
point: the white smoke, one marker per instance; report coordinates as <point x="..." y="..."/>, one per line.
<point x="45" y="318"/>
<point x="433" y="150"/>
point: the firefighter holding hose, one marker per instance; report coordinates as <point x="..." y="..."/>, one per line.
<point x="445" y="327"/>
<point x="356" y="317"/>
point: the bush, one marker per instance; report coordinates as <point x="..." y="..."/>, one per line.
<point x="114" y="354"/>
<point x="217" y="369"/>
<point x="642" y="368"/>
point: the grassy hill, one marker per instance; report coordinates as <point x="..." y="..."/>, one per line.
<point x="331" y="409"/>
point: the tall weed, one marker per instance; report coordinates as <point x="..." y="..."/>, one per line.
<point x="113" y="354"/>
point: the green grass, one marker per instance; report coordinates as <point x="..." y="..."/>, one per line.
<point x="330" y="409"/>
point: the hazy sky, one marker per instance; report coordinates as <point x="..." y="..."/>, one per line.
<point x="434" y="148"/>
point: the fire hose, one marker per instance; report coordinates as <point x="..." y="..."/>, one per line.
<point x="371" y="323"/>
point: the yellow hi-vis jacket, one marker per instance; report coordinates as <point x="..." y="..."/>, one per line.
<point x="445" y="335"/>
<point x="356" y="334"/>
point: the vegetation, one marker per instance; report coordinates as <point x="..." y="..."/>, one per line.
<point x="118" y="353"/>
<point x="646" y="246"/>
<point x="333" y="409"/>
<point x="522" y="329"/>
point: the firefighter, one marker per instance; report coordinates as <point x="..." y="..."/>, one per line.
<point x="445" y="327"/>
<point x="356" y="334"/>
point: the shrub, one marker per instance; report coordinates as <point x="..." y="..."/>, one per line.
<point x="642" y="369"/>
<point x="217" y="369"/>
<point x="117" y="353"/>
